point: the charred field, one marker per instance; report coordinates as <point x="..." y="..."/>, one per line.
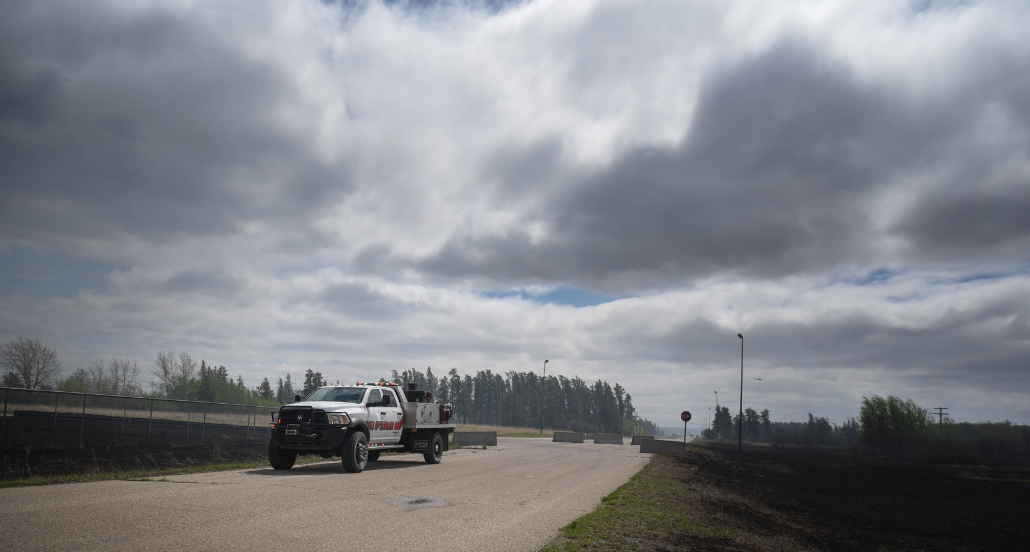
<point x="712" y="498"/>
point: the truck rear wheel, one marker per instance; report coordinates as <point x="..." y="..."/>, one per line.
<point x="280" y="459"/>
<point x="373" y="455"/>
<point x="355" y="452"/>
<point x="435" y="452"/>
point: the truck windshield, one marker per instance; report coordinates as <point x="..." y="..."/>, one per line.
<point x="338" y="394"/>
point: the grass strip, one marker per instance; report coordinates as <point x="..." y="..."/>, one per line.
<point x="653" y="510"/>
<point x="506" y="431"/>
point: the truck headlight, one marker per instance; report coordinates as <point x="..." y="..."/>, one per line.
<point x="338" y="418"/>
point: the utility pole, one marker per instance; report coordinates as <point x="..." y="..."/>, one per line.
<point x="716" y="412"/>
<point x="940" y="413"/>
<point x="740" y="420"/>
<point x="542" y="391"/>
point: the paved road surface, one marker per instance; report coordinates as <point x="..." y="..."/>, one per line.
<point x="512" y="497"/>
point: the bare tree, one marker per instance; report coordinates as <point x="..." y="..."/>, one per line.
<point x="120" y="376"/>
<point x="164" y="370"/>
<point x="124" y="375"/>
<point x="173" y="372"/>
<point x="35" y="364"/>
<point x="185" y="368"/>
<point x="95" y="376"/>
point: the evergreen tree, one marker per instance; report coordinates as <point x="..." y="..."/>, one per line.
<point x="284" y="393"/>
<point x="265" y="390"/>
<point x="312" y="381"/>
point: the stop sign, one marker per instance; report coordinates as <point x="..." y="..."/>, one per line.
<point x="685" y="416"/>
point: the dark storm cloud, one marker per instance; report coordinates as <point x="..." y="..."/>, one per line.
<point x="356" y="300"/>
<point x="772" y="179"/>
<point x="970" y="220"/>
<point x="147" y="124"/>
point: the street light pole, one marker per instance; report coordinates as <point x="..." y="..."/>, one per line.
<point x="716" y="410"/>
<point x="542" y="398"/>
<point x="740" y="419"/>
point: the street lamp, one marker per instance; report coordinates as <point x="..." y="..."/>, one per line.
<point x="740" y="419"/>
<point x="716" y="409"/>
<point x="542" y="398"/>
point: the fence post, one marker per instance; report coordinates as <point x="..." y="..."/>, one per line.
<point x="248" y="422"/>
<point x="3" y="431"/>
<point x="203" y="425"/>
<point x="150" y="424"/>
<point x="82" y="424"/>
<point x="189" y="412"/>
<point x="125" y="410"/>
<point x="56" y="396"/>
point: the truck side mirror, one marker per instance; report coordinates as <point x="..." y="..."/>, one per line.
<point x="296" y="398"/>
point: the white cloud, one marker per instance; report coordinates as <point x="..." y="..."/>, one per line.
<point x="277" y="186"/>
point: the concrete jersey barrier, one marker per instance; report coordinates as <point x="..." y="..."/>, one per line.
<point x="464" y="438"/>
<point x="588" y="436"/>
<point x="567" y="437"/>
<point x="638" y="438"/>
<point x="608" y="438"/>
<point x="657" y="446"/>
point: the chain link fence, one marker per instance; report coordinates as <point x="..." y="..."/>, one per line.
<point x="62" y="420"/>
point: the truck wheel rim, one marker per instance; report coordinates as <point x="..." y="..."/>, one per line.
<point x="362" y="453"/>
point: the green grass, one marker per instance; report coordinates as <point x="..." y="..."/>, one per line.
<point x="504" y="431"/>
<point x="142" y="475"/>
<point x="649" y="509"/>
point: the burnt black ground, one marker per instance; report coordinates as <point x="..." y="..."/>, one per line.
<point x="35" y="446"/>
<point x="848" y="502"/>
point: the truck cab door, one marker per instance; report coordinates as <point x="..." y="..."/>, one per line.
<point x="394" y="417"/>
<point x="383" y="421"/>
<point x="376" y="412"/>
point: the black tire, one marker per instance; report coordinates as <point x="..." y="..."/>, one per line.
<point x="373" y="455"/>
<point x="355" y="452"/>
<point x="280" y="459"/>
<point x="435" y="452"/>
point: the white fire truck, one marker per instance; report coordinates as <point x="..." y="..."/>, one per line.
<point x="358" y="423"/>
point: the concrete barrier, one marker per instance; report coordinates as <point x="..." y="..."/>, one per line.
<point x="588" y="436"/>
<point x="657" y="446"/>
<point x="638" y="438"/>
<point x="475" y="438"/>
<point x="608" y="438"/>
<point x="567" y="437"/>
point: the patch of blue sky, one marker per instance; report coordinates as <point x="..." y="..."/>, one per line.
<point x="898" y="299"/>
<point x="878" y="276"/>
<point x="559" y="296"/>
<point x="982" y="276"/>
<point x="24" y="272"/>
<point x="492" y="6"/>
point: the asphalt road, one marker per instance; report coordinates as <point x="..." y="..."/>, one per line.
<point x="511" y="497"/>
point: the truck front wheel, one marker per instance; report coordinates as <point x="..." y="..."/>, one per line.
<point x="373" y="455"/>
<point x="280" y="459"/>
<point x="355" y="452"/>
<point x="435" y="452"/>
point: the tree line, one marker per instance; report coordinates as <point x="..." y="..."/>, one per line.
<point x="520" y="399"/>
<point x="888" y="425"/>
<point x="515" y="399"/>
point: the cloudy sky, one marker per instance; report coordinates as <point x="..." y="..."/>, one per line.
<point x="619" y="187"/>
